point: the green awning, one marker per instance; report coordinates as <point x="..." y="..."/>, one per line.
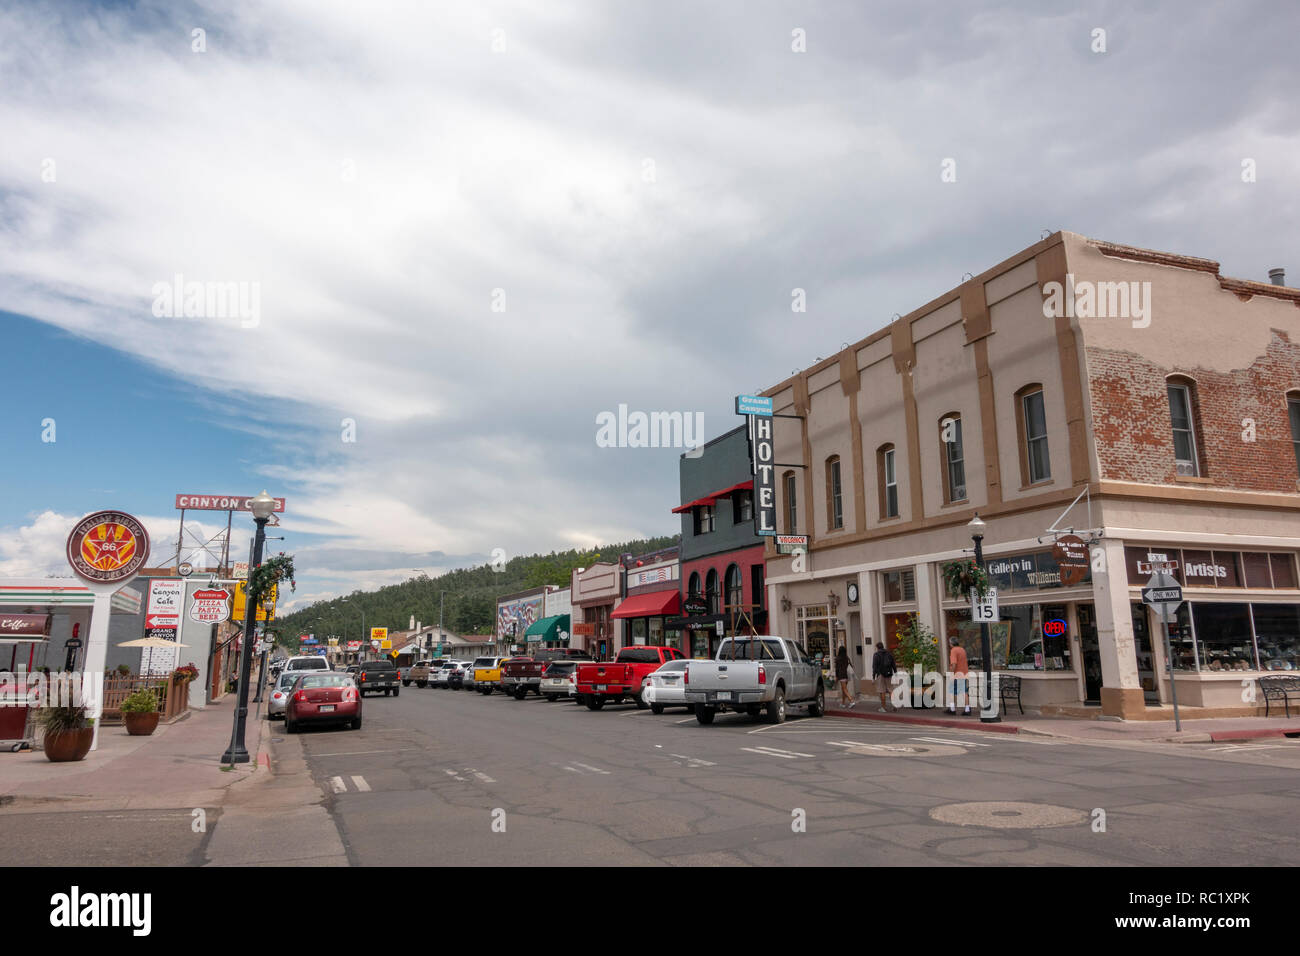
<point x="548" y="629"/>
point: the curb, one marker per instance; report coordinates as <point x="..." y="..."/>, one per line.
<point x="972" y="724"/>
<point x="1227" y="736"/>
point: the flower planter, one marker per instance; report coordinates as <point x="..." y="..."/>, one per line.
<point x="70" y="745"/>
<point x="141" y="725"/>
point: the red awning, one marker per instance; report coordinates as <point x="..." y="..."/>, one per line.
<point x="713" y="498"/>
<point x="695" y="504"/>
<point x="653" y="604"/>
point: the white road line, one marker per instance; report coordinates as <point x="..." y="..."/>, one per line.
<point x="688" y="720"/>
<point x="955" y="743"/>
<point x="455" y="775"/>
<point x="337" y="785"/>
<point x="573" y="769"/>
<point x="586" y="766"/>
<point x="361" y="784"/>
<point x="1241" y="748"/>
<point x="484" y="777"/>
<point x="695" y="760"/>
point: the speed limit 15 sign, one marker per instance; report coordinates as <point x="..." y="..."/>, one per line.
<point x="986" y="611"/>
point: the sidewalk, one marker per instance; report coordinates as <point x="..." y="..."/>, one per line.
<point x="178" y="765"/>
<point x="1079" y="728"/>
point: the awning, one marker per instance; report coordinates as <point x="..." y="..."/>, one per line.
<point x="712" y="499"/>
<point x="548" y="629"/>
<point x="654" y="604"/>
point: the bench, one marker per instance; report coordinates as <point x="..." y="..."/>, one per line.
<point x="1009" y="689"/>
<point x="1285" y="689"/>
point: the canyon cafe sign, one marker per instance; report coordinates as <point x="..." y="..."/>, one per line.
<point x="762" y="447"/>
<point x="220" y="503"/>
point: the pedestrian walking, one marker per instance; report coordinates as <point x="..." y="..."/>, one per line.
<point x="843" y="672"/>
<point x="957" y="666"/>
<point x="883" y="667"/>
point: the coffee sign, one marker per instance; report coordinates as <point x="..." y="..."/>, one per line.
<point x="25" y="625"/>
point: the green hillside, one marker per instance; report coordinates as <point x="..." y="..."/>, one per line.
<point x="469" y="606"/>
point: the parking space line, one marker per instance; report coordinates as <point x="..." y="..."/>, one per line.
<point x="955" y="743"/>
<point x="585" y="766"/>
<point x="361" y="784"/>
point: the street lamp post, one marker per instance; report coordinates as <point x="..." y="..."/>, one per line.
<point x="263" y="507"/>
<point x="364" y="638"/>
<point x="986" y="646"/>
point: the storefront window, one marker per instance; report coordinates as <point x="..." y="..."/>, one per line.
<point x="1223" y="636"/>
<point x="656" y="630"/>
<point x="1283" y="570"/>
<point x="700" y="644"/>
<point x="1256" y="568"/>
<point x="815" y="631"/>
<point x="1181" y="643"/>
<point x="638" y="630"/>
<point x="1277" y="633"/>
<point x="898" y="586"/>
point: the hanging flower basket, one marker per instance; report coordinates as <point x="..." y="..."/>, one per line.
<point x="960" y="576"/>
<point x="185" y="673"/>
<point x="268" y="574"/>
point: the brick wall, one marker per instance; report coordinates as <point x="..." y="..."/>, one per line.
<point x="1134" y="437"/>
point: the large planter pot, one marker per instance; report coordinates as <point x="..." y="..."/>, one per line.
<point x="70" y="745"/>
<point x="141" y="725"/>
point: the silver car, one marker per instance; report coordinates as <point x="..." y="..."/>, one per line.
<point x="666" y="687"/>
<point x="280" y="692"/>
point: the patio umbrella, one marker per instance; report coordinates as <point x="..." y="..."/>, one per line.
<point x="152" y="642"/>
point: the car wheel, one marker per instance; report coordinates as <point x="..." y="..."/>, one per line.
<point x="421" y="683"/>
<point x="656" y="708"/>
<point x="704" y="715"/>
<point x="595" y="703"/>
<point x="818" y="707"/>
<point x="396" y="691"/>
<point x="356" y="723"/>
<point x="521" y="693"/>
<point x="776" y="708"/>
<point x="290" y="726"/>
<point x="640" y="701"/>
<point x="406" y="683"/>
<point x="388" y="692"/>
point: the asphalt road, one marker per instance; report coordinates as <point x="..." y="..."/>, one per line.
<point x="455" y="778"/>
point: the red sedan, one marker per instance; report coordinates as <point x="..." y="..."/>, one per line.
<point x="323" y="697"/>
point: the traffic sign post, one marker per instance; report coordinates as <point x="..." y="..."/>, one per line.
<point x="1165" y="595"/>
<point x="986" y="611"/>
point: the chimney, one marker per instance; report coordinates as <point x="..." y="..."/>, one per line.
<point x="1277" y="276"/>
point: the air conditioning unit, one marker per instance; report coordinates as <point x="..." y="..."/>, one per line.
<point x="1185" y="469"/>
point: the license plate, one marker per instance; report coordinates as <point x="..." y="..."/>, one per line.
<point x="326" y="708"/>
<point x="724" y="695"/>
<point x="602" y="687"/>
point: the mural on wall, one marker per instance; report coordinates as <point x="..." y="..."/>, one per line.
<point x="521" y="613"/>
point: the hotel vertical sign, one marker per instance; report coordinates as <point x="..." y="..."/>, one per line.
<point x="763" y="461"/>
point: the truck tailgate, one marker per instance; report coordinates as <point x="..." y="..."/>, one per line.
<point x="722" y="675"/>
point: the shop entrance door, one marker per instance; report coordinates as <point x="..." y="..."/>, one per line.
<point x="1145" y="658"/>
<point x="1087" y="615"/>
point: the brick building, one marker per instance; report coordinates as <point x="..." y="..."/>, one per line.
<point x="1163" y="396"/>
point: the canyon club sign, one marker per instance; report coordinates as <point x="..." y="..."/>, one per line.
<point x="219" y="503"/>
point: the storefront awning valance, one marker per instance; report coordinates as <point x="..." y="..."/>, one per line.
<point x="713" y="498"/>
<point x="654" y="604"/>
<point x="548" y="629"/>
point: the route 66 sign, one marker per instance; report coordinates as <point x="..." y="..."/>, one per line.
<point x="211" y="606"/>
<point x="108" y="547"/>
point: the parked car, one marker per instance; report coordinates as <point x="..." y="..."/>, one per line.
<point x="602" y="682"/>
<point x="374" y="676"/>
<point x="666" y="687"/>
<point x="461" y="675"/>
<point x="487" y="674"/>
<point x="420" y="672"/>
<point x="557" y="679"/>
<point x="281" y="690"/>
<point x="320" y="698"/>
<point x="523" y="674"/>
<point x="307" y="662"/>
<point x="756" y="675"/>
<point x="438" y="677"/>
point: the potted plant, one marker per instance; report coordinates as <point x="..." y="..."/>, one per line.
<point x="960" y="576"/>
<point x="68" y="733"/>
<point x="140" y="712"/>
<point x="124" y="670"/>
<point x="185" y="673"/>
<point x="916" y="645"/>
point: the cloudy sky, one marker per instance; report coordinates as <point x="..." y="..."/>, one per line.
<point x="473" y="227"/>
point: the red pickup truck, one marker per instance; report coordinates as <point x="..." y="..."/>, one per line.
<point x="522" y="674"/>
<point x="603" y="682"/>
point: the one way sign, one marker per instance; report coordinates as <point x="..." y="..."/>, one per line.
<point x="1164" y="594"/>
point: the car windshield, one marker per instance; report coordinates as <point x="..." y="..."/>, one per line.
<point x="325" y="680"/>
<point x="672" y="666"/>
<point x="745" y="649"/>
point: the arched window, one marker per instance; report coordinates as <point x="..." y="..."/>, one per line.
<point x="693" y="589"/>
<point x="711" y="591"/>
<point x="1031" y="428"/>
<point x="735" y="590"/>
<point x="953" y="457"/>
<point x="887" y="480"/>
<point x="834" y="494"/>
<point x="1183" y="420"/>
<point x="791" y="504"/>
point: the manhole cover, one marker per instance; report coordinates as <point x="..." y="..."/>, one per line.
<point x="1006" y="816"/>
<point x="901" y="750"/>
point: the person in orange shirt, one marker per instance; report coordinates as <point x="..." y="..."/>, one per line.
<point x="957" y="672"/>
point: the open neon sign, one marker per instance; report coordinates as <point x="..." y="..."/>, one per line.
<point x="1055" y="628"/>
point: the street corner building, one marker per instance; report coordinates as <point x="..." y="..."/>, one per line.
<point x="1138" y="397"/>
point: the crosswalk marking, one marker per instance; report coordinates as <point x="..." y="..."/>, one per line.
<point x="586" y="766"/>
<point x="361" y="784"/>
<point x="337" y="785"/>
<point x="776" y="752"/>
<point x="453" y="773"/>
<point x="482" y="776"/>
<point x="694" y="761"/>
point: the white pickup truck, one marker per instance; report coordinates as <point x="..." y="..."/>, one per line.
<point x="756" y="675"/>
